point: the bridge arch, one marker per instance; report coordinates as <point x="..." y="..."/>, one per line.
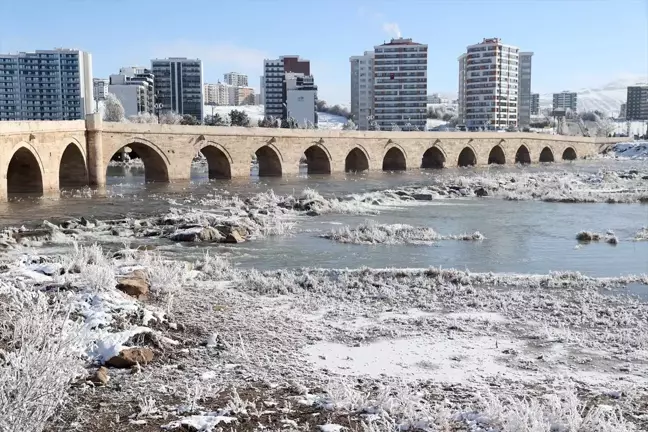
<point x="219" y="161"/>
<point x="73" y="168"/>
<point x="467" y="157"/>
<point x="156" y="163"/>
<point x="522" y="156"/>
<point x="24" y="171"/>
<point x="569" y="154"/>
<point x="434" y="157"/>
<point x="546" y="155"/>
<point x="318" y="159"/>
<point x="395" y="159"/>
<point x="269" y="160"/>
<point x="356" y="160"/>
<point x="496" y="155"/>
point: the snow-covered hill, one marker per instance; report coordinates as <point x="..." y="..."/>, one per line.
<point x="255" y="112"/>
<point x="607" y="98"/>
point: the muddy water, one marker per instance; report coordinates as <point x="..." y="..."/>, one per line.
<point x="525" y="237"/>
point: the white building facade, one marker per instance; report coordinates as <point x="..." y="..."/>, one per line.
<point x="489" y="82"/>
<point x="301" y="99"/>
<point x="400" y="85"/>
<point x="134" y="87"/>
<point x="274" y="80"/>
<point x="236" y="79"/>
<point x="46" y="85"/>
<point x="362" y="89"/>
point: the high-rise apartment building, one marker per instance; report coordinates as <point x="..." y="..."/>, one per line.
<point x="637" y="103"/>
<point x="179" y="85"/>
<point x="565" y="100"/>
<point x="535" y="103"/>
<point x="236" y="79"/>
<point x="461" y="94"/>
<point x="99" y="90"/>
<point x="622" y="111"/>
<point x="488" y="85"/>
<point x="46" y="85"/>
<point x="362" y="96"/>
<point x="400" y="85"/>
<point x="135" y="89"/>
<point x="274" y="80"/>
<point x="524" y="89"/>
<point x="218" y="94"/>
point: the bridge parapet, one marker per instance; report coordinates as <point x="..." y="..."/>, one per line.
<point x="45" y="156"/>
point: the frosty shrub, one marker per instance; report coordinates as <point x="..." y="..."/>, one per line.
<point x="167" y="278"/>
<point x="39" y="357"/>
<point x="170" y="117"/>
<point x="113" y="109"/>
<point x="349" y="125"/>
<point x="145" y="118"/>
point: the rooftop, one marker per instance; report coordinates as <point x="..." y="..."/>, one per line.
<point x="401" y="41"/>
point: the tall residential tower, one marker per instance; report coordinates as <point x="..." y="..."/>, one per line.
<point x="489" y="84"/>
<point x="179" y="85"/>
<point x="400" y="85"/>
<point x="524" y="90"/>
<point x="362" y="96"/>
<point x="46" y="85"/>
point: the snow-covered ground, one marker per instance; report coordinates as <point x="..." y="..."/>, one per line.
<point x="256" y="113"/>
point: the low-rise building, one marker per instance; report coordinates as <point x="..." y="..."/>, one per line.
<point x="535" y="104"/>
<point x="301" y="98"/>
<point x="565" y="100"/>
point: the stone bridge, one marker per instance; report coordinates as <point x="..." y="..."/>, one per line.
<point x="42" y="157"/>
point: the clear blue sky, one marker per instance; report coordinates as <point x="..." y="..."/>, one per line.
<point x="577" y="43"/>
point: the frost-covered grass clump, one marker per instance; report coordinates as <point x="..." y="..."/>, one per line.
<point x="41" y="353"/>
<point x="642" y="234"/>
<point x="371" y="232"/>
<point x="562" y="411"/>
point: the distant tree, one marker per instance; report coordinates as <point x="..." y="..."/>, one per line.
<point x="215" y="120"/>
<point x="189" y="120"/>
<point x="145" y="117"/>
<point x="395" y="127"/>
<point x="349" y="125"/>
<point x="310" y="125"/>
<point x="289" y="123"/>
<point x="268" y="122"/>
<point x="239" y="118"/>
<point x="170" y="117"/>
<point x="113" y="109"/>
<point x="588" y="116"/>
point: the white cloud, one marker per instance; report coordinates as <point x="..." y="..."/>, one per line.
<point x="392" y="29"/>
<point x="217" y="58"/>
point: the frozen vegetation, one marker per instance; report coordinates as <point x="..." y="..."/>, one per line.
<point x="110" y="336"/>
<point x="371" y="232"/>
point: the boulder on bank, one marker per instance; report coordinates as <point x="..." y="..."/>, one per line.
<point x="234" y="237"/>
<point x="130" y="357"/>
<point x="194" y="234"/>
<point x="135" y="286"/>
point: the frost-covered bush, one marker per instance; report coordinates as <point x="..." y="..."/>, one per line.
<point x="560" y="412"/>
<point x="40" y="355"/>
<point x="113" y="109"/>
<point x="166" y="277"/>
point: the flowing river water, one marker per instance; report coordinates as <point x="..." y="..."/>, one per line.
<point x="520" y="236"/>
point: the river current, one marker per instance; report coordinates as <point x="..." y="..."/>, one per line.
<point x="520" y="236"/>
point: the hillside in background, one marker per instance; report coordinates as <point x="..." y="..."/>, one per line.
<point x="607" y="98"/>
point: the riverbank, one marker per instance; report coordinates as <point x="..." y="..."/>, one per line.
<point x="317" y="310"/>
